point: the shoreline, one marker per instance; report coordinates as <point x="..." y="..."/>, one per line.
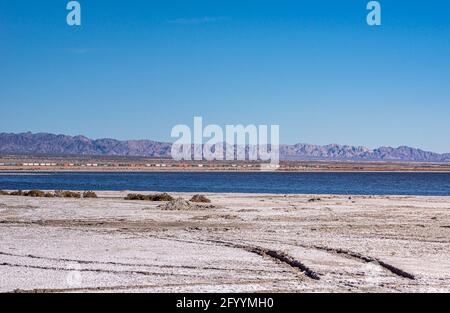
<point x="120" y="194"/>
<point x="143" y="170"/>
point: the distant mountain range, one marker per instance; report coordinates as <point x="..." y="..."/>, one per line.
<point x="51" y="144"/>
<point x="344" y="152"/>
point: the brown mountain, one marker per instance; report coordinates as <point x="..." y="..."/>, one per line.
<point x="44" y="143"/>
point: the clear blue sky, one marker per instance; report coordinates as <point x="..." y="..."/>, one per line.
<point x="134" y="69"/>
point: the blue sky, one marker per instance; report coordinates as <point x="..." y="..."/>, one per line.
<point x="134" y="69"/>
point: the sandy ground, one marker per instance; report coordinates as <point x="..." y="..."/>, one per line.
<point x="242" y="243"/>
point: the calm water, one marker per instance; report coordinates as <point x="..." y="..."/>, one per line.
<point x="282" y="183"/>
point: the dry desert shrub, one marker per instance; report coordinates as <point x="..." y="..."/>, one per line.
<point x="4" y="193"/>
<point x="135" y="196"/>
<point x="161" y="197"/>
<point x="155" y="197"/>
<point x="89" y="194"/>
<point x="200" y="198"/>
<point x="35" y="193"/>
<point x="17" y="193"/>
<point x="67" y="194"/>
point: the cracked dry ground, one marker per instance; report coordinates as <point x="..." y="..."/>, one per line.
<point x="245" y="243"/>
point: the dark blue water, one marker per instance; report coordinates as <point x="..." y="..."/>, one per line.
<point x="280" y="183"/>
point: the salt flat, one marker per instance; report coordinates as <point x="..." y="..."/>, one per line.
<point x="238" y="243"/>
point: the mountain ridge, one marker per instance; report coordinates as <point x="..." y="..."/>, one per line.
<point x="59" y="144"/>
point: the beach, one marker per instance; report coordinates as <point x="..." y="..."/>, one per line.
<point x="236" y="243"/>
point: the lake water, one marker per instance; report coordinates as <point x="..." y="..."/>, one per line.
<point x="279" y="183"/>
